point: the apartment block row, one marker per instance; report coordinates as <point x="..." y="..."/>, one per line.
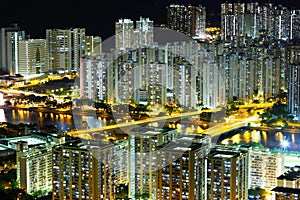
<point x="237" y="19"/>
<point x="160" y="162"/>
<point x="206" y="73"/>
<point x="253" y="19"/>
<point x="60" y="50"/>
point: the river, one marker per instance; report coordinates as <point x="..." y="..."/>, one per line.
<point x="68" y="122"/>
<point x="270" y="139"/>
<point x="63" y="122"/>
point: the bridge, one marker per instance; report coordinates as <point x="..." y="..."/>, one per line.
<point x="227" y="127"/>
<point x="134" y="124"/>
<point x="213" y="131"/>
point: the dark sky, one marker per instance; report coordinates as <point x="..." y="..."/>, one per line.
<point x="97" y="16"/>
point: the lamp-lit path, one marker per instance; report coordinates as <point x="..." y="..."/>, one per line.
<point x="213" y="131"/>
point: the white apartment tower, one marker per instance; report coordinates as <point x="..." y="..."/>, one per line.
<point x="9" y="42"/>
<point x="143" y="32"/>
<point x="124" y="33"/>
<point x="264" y="168"/>
<point x="93" y="78"/>
<point x="33" y="57"/>
<point x="129" y="36"/>
<point x="65" y="47"/>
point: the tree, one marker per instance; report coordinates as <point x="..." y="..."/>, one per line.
<point x="282" y="94"/>
<point x="278" y="112"/>
<point x="17" y="193"/>
<point x="232" y="108"/>
<point x="143" y="196"/>
<point x="255" y="92"/>
<point x="169" y="109"/>
<point x="259" y="192"/>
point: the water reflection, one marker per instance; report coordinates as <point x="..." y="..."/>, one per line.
<point x="268" y="139"/>
<point x="62" y="121"/>
<point x="2" y="116"/>
<point x="66" y="123"/>
<point x="265" y="137"/>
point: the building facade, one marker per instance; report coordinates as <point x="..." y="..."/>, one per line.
<point x="65" y="47"/>
<point x="9" y="42"/>
<point x="254" y="19"/>
<point x="33" y="57"/>
<point x="181" y="168"/>
<point x="288" y="185"/>
<point x="227" y="173"/>
<point x="83" y="170"/>
<point x="142" y="159"/>
<point x="189" y="20"/>
<point x="264" y="168"/>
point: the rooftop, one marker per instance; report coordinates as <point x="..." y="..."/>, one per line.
<point x="292" y="174"/>
<point x="85" y="144"/>
<point x="30" y="140"/>
<point x="286" y="190"/>
<point x="182" y="148"/>
<point x="151" y="133"/>
<point x="225" y="152"/>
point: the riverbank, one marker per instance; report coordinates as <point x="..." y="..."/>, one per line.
<point x="268" y="130"/>
<point x="63" y="111"/>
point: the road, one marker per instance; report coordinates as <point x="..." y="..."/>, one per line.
<point x="226" y="127"/>
<point x="133" y="124"/>
<point x="213" y="131"/>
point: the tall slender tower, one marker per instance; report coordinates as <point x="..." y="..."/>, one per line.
<point x="181" y="168"/>
<point x="190" y="20"/>
<point x="227" y="173"/>
<point x="83" y="170"/>
<point x="142" y="163"/>
<point x="294" y="90"/>
<point x="9" y="42"/>
<point x="124" y="33"/>
<point x="33" y="57"/>
<point x="65" y="47"/>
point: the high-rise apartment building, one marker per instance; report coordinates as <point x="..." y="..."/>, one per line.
<point x="264" y="168"/>
<point x="129" y="36"/>
<point x="227" y="173"/>
<point x="294" y="32"/>
<point x="124" y="33"/>
<point x="181" y="168"/>
<point x="189" y="20"/>
<point x="35" y="168"/>
<point x="121" y="155"/>
<point x="33" y="57"/>
<point x="33" y="160"/>
<point x="255" y="19"/>
<point x="9" y="42"/>
<point x="183" y="88"/>
<point x="65" y="47"/>
<point x="142" y="158"/>
<point x="93" y="45"/>
<point x="94" y="81"/>
<point x="292" y="77"/>
<point x="294" y="90"/>
<point x="59" y="44"/>
<point x="83" y="170"/>
<point x="250" y="19"/>
<point x="232" y="20"/>
<point x="288" y="185"/>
